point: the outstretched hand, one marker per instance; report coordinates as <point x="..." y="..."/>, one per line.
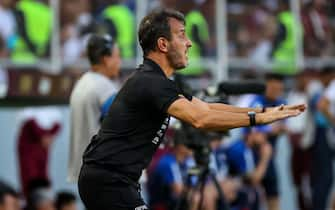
<point x="300" y="107"/>
<point x="282" y="112"/>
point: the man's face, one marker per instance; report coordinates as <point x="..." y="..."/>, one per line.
<point x="274" y="89"/>
<point x="10" y="203"/>
<point x="178" y="46"/>
<point x="113" y="62"/>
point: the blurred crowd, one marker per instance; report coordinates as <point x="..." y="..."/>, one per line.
<point x="256" y="29"/>
<point x="243" y="162"/>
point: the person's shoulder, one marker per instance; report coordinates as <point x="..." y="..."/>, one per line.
<point x="257" y="101"/>
<point x="166" y="160"/>
<point x="236" y="147"/>
<point x="331" y="85"/>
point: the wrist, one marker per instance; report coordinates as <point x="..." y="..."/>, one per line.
<point x="260" y="118"/>
<point x="263" y="109"/>
<point x="252" y="118"/>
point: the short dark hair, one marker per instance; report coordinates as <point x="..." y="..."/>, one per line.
<point x="38" y="183"/>
<point x="274" y="76"/>
<point x="156" y="25"/>
<point x="327" y="70"/>
<point x="64" y="198"/>
<point x="99" y="46"/>
<point x="5" y="189"/>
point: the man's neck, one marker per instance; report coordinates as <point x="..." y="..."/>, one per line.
<point x="100" y="70"/>
<point x="162" y="62"/>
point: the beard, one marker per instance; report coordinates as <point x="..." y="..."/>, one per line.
<point x="175" y="59"/>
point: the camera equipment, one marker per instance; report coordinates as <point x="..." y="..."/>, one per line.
<point x="199" y="141"/>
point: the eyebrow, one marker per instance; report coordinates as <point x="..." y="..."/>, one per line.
<point x="182" y="30"/>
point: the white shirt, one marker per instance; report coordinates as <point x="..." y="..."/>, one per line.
<point x="90" y="93"/>
<point x="7" y="23"/>
<point x="330" y="95"/>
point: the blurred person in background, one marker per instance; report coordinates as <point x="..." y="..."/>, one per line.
<point x="65" y="201"/>
<point x="91" y="97"/>
<point x="301" y="135"/>
<point x="317" y="28"/>
<point x="3" y="49"/>
<point x="76" y="25"/>
<point x="266" y="29"/>
<point x="39" y="127"/>
<point x="198" y="32"/>
<point x="3" y="72"/>
<point x="40" y="198"/>
<point x="272" y="97"/>
<point x="9" y="198"/>
<point x="120" y="23"/>
<point x="322" y="149"/>
<point x="285" y="44"/>
<point x="33" y="34"/>
<point x="168" y="179"/>
<point x="7" y="22"/>
<point x="247" y="158"/>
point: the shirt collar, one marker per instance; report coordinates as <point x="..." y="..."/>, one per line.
<point x="153" y="66"/>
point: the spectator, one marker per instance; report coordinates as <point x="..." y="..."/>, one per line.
<point x="36" y="135"/>
<point x="65" y="201"/>
<point x="166" y="181"/>
<point x="121" y="24"/>
<point x="40" y="199"/>
<point x="301" y="132"/>
<point x="33" y="35"/>
<point x="76" y="24"/>
<point x="272" y="97"/>
<point x="248" y="159"/>
<point x="322" y="154"/>
<point x="198" y="32"/>
<point x="285" y="44"/>
<point x="318" y="35"/>
<point x="91" y="97"/>
<point x="9" y="198"/>
<point x="170" y="184"/>
<point x="7" y="22"/>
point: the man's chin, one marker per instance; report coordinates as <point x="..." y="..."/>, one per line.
<point x="181" y="66"/>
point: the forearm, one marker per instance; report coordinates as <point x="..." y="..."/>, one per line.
<point x="200" y="115"/>
<point x="221" y="120"/>
<point x="234" y="109"/>
<point x="257" y="175"/>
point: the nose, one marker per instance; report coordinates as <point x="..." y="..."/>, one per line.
<point x="188" y="43"/>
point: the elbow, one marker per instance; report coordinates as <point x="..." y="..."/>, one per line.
<point x="200" y="122"/>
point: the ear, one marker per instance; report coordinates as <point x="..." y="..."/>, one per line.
<point x="103" y="59"/>
<point x="162" y="44"/>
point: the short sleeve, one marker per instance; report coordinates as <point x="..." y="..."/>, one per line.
<point x="256" y="103"/>
<point x="172" y="174"/>
<point x="240" y="158"/>
<point x="163" y="92"/>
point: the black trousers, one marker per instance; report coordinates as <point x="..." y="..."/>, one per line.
<point x="321" y="170"/>
<point x="101" y="189"/>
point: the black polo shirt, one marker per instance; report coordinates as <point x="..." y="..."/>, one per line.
<point x="136" y="122"/>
